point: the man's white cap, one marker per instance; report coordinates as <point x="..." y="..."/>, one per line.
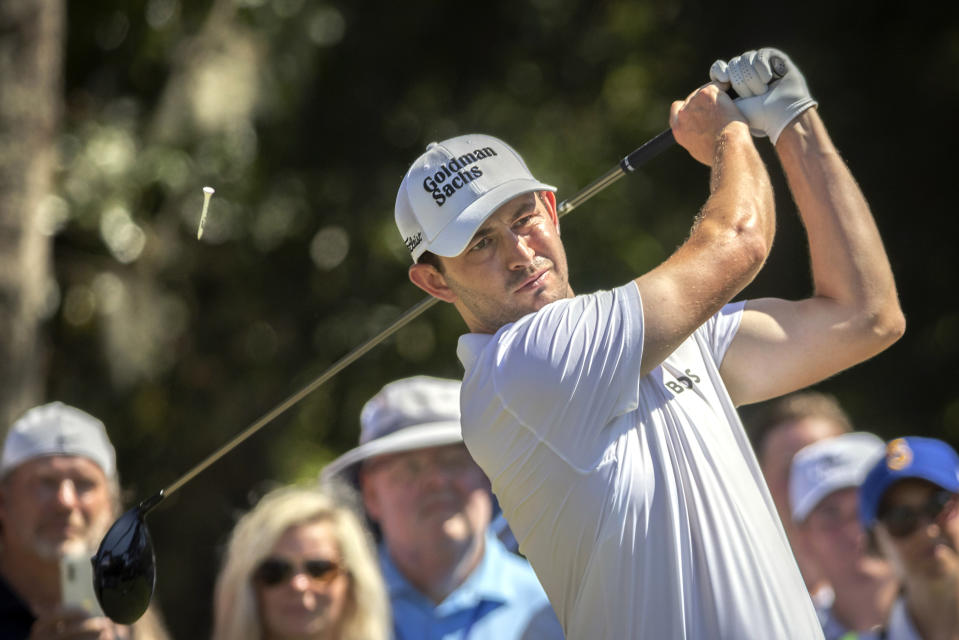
<point x="454" y="187"/>
<point x="408" y="414"/>
<point x="57" y="429"/>
<point x="828" y="465"/>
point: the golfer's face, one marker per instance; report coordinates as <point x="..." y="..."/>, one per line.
<point x="51" y="506"/>
<point x="428" y="496"/>
<point x="515" y="264"/>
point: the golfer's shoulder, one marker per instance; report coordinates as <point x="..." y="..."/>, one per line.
<point x="581" y="314"/>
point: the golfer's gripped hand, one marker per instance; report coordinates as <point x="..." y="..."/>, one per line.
<point x="698" y="121"/>
<point x="769" y="103"/>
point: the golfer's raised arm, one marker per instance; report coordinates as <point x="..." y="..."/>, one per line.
<point x="853" y="312"/>
<point x="731" y="237"/>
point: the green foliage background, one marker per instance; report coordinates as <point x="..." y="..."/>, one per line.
<point x="304" y="116"/>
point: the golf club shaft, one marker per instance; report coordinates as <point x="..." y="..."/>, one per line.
<point x="628" y="164"/>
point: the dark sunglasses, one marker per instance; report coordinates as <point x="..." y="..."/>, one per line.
<point x="274" y="571"/>
<point x="901" y="520"/>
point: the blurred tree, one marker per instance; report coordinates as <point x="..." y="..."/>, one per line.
<point x="31" y="94"/>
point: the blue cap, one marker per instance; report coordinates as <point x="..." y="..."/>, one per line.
<point x="913" y="457"/>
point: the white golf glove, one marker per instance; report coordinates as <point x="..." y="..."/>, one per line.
<point x="772" y="91"/>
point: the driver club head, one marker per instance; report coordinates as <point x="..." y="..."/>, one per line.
<point x="124" y="568"/>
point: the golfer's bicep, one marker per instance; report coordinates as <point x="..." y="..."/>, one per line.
<point x="675" y="303"/>
<point x="785" y="345"/>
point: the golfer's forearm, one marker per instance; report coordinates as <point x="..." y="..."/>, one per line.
<point x="726" y="248"/>
<point x="740" y="208"/>
<point x="849" y="264"/>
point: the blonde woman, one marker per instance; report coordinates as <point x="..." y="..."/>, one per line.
<point x="300" y="565"/>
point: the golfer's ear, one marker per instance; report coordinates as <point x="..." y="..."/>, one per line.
<point x="550" y="199"/>
<point x="426" y="277"/>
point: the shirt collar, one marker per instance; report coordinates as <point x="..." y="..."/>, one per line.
<point x="485" y="583"/>
<point x="469" y="347"/>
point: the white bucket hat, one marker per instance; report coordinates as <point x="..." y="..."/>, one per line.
<point x="454" y="187"/>
<point x="57" y="429"/>
<point x="828" y="465"/>
<point x="408" y="414"/>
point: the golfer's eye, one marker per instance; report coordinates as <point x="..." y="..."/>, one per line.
<point x="524" y="222"/>
<point x="482" y="244"/>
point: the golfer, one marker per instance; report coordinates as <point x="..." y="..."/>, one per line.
<point x="607" y="422"/>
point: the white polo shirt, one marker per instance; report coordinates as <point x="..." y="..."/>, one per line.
<point x="638" y="501"/>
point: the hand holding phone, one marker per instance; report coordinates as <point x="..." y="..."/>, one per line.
<point x="76" y="584"/>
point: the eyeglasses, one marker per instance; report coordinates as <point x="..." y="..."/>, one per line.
<point x="407" y="468"/>
<point x="902" y="520"/>
<point x="274" y="571"/>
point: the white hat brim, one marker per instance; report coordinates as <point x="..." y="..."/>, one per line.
<point x="421" y="436"/>
<point x="452" y="240"/>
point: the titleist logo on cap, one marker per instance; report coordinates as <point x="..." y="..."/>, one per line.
<point x="454" y="175"/>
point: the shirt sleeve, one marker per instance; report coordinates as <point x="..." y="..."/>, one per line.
<point x="718" y="332"/>
<point x="573" y="364"/>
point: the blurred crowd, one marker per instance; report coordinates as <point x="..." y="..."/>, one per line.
<point x="400" y="537"/>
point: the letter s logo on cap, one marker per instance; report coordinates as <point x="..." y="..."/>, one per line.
<point x="898" y="454"/>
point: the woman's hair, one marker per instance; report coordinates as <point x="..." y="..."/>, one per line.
<point x="236" y="613"/>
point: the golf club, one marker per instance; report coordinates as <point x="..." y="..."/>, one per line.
<point x="124" y="567"/>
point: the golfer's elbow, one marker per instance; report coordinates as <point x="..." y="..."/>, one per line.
<point x="890" y="324"/>
<point x="752" y="241"/>
<point x="880" y="325"/>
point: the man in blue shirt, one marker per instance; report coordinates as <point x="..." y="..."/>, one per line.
<point x="448" y="576"/>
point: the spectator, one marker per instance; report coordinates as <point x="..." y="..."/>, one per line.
<point x="447" y="573"/>
<point x="824" y="484"/>
<point x="779" y="429"/>
<point x="908" y="504"/>
<point x="300" y="565"/>
<point x="59" y="493"/>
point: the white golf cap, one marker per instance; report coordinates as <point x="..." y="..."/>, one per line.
<point x="828" y="465"/>
<point x="453" y="187"/>
<point x="408" y="414"/>
<point x="57" y="429"/>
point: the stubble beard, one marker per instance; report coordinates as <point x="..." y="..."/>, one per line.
<point x="84" y="544"/>
<point x="492" y="314"/>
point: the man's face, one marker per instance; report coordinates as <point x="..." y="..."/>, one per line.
<point x="928" y="550"/>
<point x="832" y="535"/>
<point x="515" y="264"/>
<point x="55" y="505"/>
<point x="779" y="448"/>
<point x="427" y="498"/>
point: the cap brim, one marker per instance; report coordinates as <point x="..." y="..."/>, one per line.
<point x="812" y="499"/>
<point x="452" y="240"/>
<point x="423" y="436"/>
<point x="948" y="480"/>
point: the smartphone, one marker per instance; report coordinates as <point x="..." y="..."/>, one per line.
<point x="76" y="583"/>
